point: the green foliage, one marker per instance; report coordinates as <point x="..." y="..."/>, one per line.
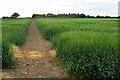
<point x="15" y="15"/>
<point x="88" y="54"/>
<point x="87" y="47"/>
<point x="65" y="15"/>
<point x="13" y="33"/>
<point x="8" y="60"/>
<point x="82" y="15"/>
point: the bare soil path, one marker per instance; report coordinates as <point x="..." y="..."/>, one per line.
<point x="36" y="59"/>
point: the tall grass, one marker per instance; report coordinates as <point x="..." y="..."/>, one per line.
<point x="87" y="47"/>
<point x="13" y="33"/>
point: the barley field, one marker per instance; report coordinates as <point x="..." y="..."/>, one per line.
<point x="87" y="47"/>
<point x="13" y="33"/>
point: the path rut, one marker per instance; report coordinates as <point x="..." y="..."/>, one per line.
<point x="36" y="58"/>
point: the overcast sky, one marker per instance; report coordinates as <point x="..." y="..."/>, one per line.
<point x="89" y="7"/>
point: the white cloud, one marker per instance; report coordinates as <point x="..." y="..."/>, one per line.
<point x="28" y="7"/>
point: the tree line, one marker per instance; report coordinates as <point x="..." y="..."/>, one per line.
<point x="50" y="15"/>
<point x="13" y="16"/>
<point x="70" y="15"/>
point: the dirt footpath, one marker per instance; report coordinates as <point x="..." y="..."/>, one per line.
<point x="36" y="59"/>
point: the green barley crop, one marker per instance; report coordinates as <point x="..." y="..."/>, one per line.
<point x="13" y="33"/>
<point x="52" y="27"/>
<point x="88" y="54"/>
<point x="87" y="47"/>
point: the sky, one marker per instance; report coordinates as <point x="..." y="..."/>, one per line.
<point x="89" y="7"/>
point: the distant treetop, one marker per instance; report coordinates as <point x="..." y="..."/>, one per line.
<point x="15" y="15"/>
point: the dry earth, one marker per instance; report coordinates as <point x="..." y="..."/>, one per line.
<point x="36" y="59"/>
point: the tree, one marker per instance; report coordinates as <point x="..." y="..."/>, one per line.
<point x="98" y="16"/>
<point x="38" y="15"/>
<point x="5" y="17"/>
<point x="15" y="15"/>
<point x="88" y="16"/>
<point x="82" y="15"/>
<point x="107" y="16"/>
